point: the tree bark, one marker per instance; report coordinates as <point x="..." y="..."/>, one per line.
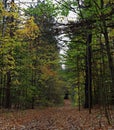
<point x="8" y="95"/>
<point x="88" y="81"/>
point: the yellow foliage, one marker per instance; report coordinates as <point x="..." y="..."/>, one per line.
<point x="107" y="1"/>
<point x="1" y="10"/>
<point x="111" y="33"/>
<point x="1" y="6"/>
<point x="47" y="71"/>
<point x="13" y="12"/>
<point x="16" y="82"/>
<point x="29" y="30"/>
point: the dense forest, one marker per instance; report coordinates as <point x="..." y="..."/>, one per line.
<point x="33" y="73"/>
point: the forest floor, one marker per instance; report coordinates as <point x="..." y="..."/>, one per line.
<point x="55" y="118"/>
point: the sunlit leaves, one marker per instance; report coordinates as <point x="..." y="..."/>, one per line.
<point x="29" y="30"/>
<point x="1" y="9"/>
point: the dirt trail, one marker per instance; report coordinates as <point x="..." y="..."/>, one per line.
<point x="67" y="103"/>
<point x="54" y="118"/>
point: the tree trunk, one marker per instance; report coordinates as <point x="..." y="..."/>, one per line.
<point x="8" y="87"/>
<point x="110" y="59"/>
<point x="78" y="76"/>
<point x="103" y="90"/>
<point x="4" y="19"/>
<point x="88" y="81"/>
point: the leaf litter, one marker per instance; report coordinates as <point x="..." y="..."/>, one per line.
<point x="55" y="118"/>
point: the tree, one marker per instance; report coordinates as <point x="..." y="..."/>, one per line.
<point x="95" y="20"/>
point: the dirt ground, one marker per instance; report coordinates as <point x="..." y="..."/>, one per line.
<point x="55" y="118"/>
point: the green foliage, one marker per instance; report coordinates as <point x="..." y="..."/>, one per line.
<point x="65" y="9"/>
<point x="46" y="10"/>
<point x="29" y="53"/>
<point x="92" y="16"/>
<point x="30" y="57"/>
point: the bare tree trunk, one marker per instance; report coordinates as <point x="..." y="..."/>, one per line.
<point x="88" y="84"/>
<point x="78" y="76"/>
<point x="8" y="87"/>
<point x="104" y="94"/>
<point x="1" y="88"/>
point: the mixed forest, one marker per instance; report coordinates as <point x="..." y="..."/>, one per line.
<point x="33" y="73"/>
